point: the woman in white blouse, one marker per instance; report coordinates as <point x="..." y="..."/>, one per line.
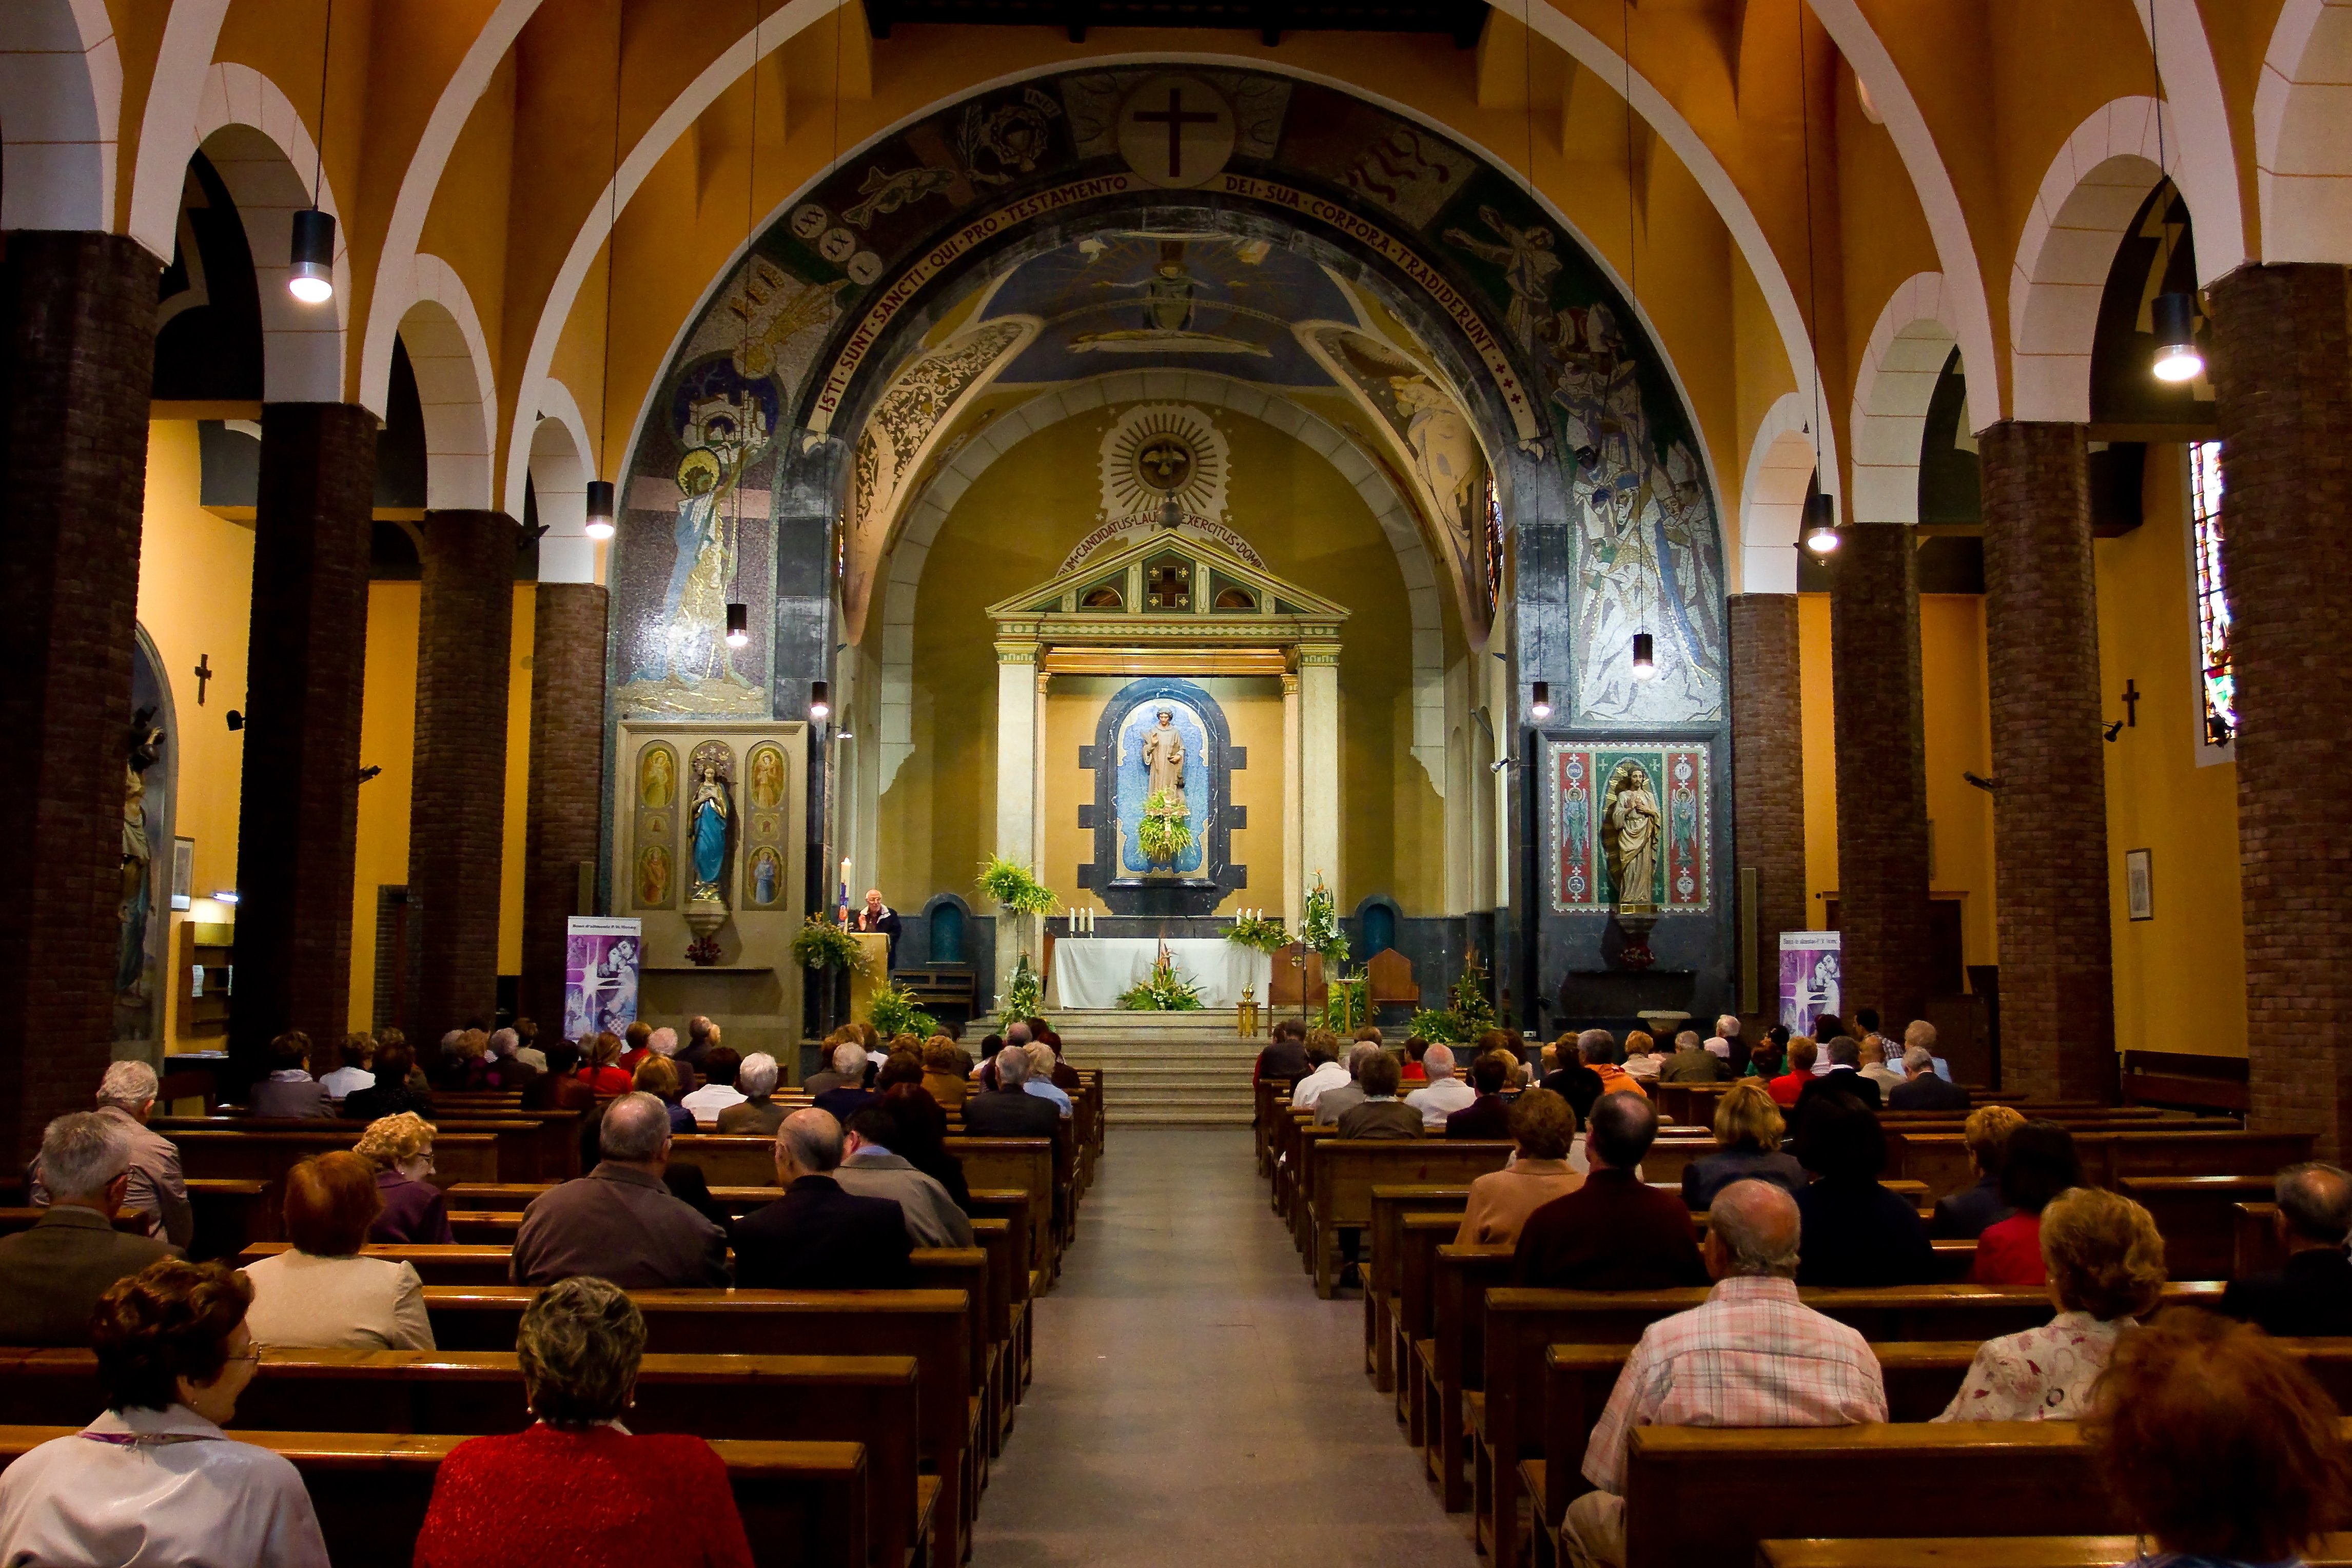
<point x="2105" y="1264"/>
<point x="155" y="1479"/>
<point x="322" y="1291"/>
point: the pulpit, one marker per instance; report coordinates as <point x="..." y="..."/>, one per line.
<point x="873" y="979"/>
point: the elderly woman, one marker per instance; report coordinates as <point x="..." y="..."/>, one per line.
<point x="1543" y="1126"/>
<point x="289" y="1091"/>
<point x="2039" y="1164"/>
<point x="657" y="1076"/>
<point x="2105" y="1264"/>
<point x="1748" y="1131"/>
<point x="341" y="1065"/>
<point x="322" y="1291"/>
<point x="601" y="1067"/>
<point x="155" y="1479"/>
<point x="1963" y="1216"/>
<point x="943" y="1072"/>
<point x="659" y="1500"/>
<point x="392" y="1092"/>
<point x="758" y="1113"/>
<point x="400" y="1149"/>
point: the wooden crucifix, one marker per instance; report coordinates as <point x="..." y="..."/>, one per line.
<point x="203" y="674"/>
<point x="2131" y="704"/>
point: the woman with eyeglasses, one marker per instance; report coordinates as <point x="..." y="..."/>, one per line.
<point x="154" y="1479"/>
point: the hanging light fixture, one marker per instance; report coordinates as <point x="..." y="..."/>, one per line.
<point x="820" y="701"/>
<point x="600" y="508"/>
<point x="1821" y="509"/>
<point x="2178" y="359"/>
<point x="599" y="526"/>
<point x="1645" y="663"/>
<point x="1821" y="524"/>
<point x="312" y="275"/>
<point x="1541" y="705"/>
<point x="739" y="624"/>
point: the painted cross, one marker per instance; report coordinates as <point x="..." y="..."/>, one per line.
<point x="1176" y="132"/>
<point x="1175" y="118"/>
<point x="2131" y="704"/>
<point x="203" y="674"/>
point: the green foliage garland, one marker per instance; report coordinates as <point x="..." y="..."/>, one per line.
<point x="895" y="1012"/>
<point x="1165" y="832"/>
<point x="1013" y="887"/>
<point x="1021" y="992"/>
<point x="1259" y="931"/>
<point x="1162" y="991"/>
<point x="821" y="945"/>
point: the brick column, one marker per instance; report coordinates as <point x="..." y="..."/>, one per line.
<point x="1768" y="771"/>
<point x="565" y="824"/>
<point x="456" y="812"/>
<point x="2050" y="813"/>
<point x="298" y="809"/>
<point x="77" y="357"/>
<point x="1881" y="771"/>
<point x="2282" y="368"/>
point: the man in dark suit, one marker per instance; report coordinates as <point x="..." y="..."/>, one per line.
<point x="1283" y="1060"/>
<point x="1010" y="1110"/>
<point x="1489" y="1115"/>
<point x="1614" y="1233"/>
<point x="1572" y="1078"/>
<point x="1844" y="1077"/>
<point x="818" y="1236"/>
<point x="1926" y="1089"/>
<point x="2312" y="1296"/>
<point x="52" y="1275"/>
<point x="620" y="1222"/>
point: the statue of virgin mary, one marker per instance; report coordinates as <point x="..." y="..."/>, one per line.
<point x="708" y="821"/>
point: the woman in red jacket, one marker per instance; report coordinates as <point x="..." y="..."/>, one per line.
<point x="2039" y="1164"/>
<point x="654" y="1502"/>
<point x="602" y="1069"/>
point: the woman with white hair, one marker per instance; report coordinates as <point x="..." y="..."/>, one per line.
<point x="1039" y="1081"/>
<point x="756" y="1081"/>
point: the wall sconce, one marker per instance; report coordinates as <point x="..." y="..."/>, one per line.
<point x="1646" y="664"/>
<point x="739" y="625"/>
<point x="1821" y="524"/>
<point x="600" y="508"/>
<point x="1542" y="704"/>
<point x="312" y="279"/>
<point x="2174" y="316"/>
<point x="820" y="701"/>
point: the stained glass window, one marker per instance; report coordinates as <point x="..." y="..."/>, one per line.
<point x="1494" y="544"/>
<point x="2220" y="687"/>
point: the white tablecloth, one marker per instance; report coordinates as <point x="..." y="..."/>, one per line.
<point x="1095" y="971"/>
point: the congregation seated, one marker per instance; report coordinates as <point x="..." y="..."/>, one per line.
<point x="718" y="1091"/>
<point x="577" y="1486"/>
<point x="904" y="1068"/>
<point x="1009" y="1111"/>
<point x="322" y="1291"/>
<point x="845" y="1069"/>
<point x="153" y="1480"/>
<point x="1489" y="1114"/>
<point x="1334" y="1103"/>
<point x="655" y="1076"/>
<point x="1875" y="1067"/>
<point x="758" y="1112"/>
<point x="290" y="1090"/>
<point x="415" y="1211"/>
<point x="1613" y="1232"/>
<point x="53" y="1275"/>
<point x="1765" y="1056"/>
<point x="391" y="1093"/>
<point x="126" y="1098"/>
<point x="1925" y="1088"/>
<point x="1582" y="1071"/>
<point x="560" y="1088"/>
<point x="620" y="1222"/>
<point x="1803" y="1052"/>
<point x="1064" y="1077"/>
<point x="1444" y="1094"/>
<point x="504" y="1068"/>
<point x="1692" y="1062"/>
<point x="2106" y="1263"/>
<point x="2312" y="1294"/>
<point x="1040" y="1082"/>
<point x="943" y="1078"/>
<point x="1856" y="1231"/>
<point x="1326" y="1071"/>
<point x="1748" y="1131"/>
<point x="820" y="1236"/>
<point x="601" y="1067"/>
<point x="1380" y="1114"/>
<point x="871" y="1168"/>
<point x="527" y="1049"/>
<point x="636" y="1045"/>
<point x="1542" y="1131"/>
<point x="2038" y="1163"/>
<point x="1644" y="1060"/>
<point x="465" y="1063"/>
<point x="2217" y="1448"/>
<point x="1843" y="1077"/>
<point x="341" y="1065"/>
<point x="1964" y="1215"/>
<point x="1751" y="1355"/>
<point x="1415" y="1049"/>
<point x="920" y="1139"/>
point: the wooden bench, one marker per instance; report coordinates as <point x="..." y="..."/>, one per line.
<point x="533" y="1145"/>
<point x="2331" y="1551"/>
<point x="802" y="1504"/>
<point x="868" y="1400"/>
<point x="266" y="1157"/>
<point x="1380" y="1263"/>
<point x="2197" y="1216"/>
<point x="1347" y="1170"/>
<point x="1941" y="1160"/>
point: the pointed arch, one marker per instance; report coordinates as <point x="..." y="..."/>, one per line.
<point x="169" y="132"/>
<point x="2303" y="137"/>
<point x="451" y="358"/>
<point x="1781" y="462"/>
<point x="1896" y="378"/>
<point x="61" y="77"/>
<point x="2204" y="152"/>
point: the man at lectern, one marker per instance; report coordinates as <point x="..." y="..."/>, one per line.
<point x="879" y="916"/>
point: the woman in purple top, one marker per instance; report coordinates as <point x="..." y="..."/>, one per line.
<point x="413" y="1209"/>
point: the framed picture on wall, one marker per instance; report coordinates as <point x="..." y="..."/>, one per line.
<point x="2139" y="891"/>
<point x="184" y="871"/>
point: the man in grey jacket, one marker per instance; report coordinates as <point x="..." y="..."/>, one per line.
<point x="1334" y="1103"/>
<point x="869" y="1169"/>
<point x="620" y="1222"/>
<point x="126" y="1097"/>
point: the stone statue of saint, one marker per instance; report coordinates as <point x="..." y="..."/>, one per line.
<point x="710" y="833"/>
<point x="1163" y="757"/>
<point x="1635" y="823"/>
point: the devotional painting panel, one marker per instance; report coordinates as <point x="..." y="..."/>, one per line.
<point x="1583" y="783"/>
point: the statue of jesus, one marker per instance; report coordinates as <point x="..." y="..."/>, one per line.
<point x="1163" y="757"/>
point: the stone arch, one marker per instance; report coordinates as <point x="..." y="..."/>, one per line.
<point x="930" y="507"/>
<point x="1892" y="388"/>
<point x="451" y="359"/>
<point x="558" y="482"/>
<point x="2087" y="200"/>
<point x="2303" y="138"/>
<point x="2204" y="160"/>
<point x="259" y="147"/>
<point x="169" y="127"/>
<point x="1780" y="465"/>
<point x="57" y="136"/>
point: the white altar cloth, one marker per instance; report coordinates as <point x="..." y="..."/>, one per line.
<point x="1095" y="971"/>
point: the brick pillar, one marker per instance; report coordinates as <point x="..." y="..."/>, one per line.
<point x="1767" y="774"/>
<point x="2283" y="364"/>
<point x="2050" y="813"/>
<point x="299" y="809"/>
<point x="456" y="812"/>
<point x="1881" y="771"/>
<point x="565" y="824"/>
<point x="77" y="357"/>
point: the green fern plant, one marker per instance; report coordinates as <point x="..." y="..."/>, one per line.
<point x="894" y="1012"/>
<point x="821" y="945"/>
<point x="1021" y="992"/>
<point x="1013" y="888"/>
<point x="1165" y="833"/>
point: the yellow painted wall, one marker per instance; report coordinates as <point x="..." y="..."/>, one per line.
<point x="388" y="741"/>
<point x="2181" y="978"/>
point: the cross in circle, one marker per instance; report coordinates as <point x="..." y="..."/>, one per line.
<point x="1175" y="119"/>
<point x="203" y="674"/>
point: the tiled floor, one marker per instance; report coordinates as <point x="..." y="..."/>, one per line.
<point x="1194" y="1403"/>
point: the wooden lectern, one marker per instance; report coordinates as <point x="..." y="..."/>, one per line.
<point x="874" y="979"/>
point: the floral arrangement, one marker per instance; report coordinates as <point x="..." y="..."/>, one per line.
<point x="895" y="1012"/>
<point x="1471" y="1015"/>
<point x="1165" y="832"/>
<point x="1011" y="884"/>
<point x="1259" y="931"/>
<point x="1441" y="1028"/>
<point x="1163" y="990"/>
<point x="1319" y="929"/>
<point x="821" y="945"/>
<point x="1021" y="992"/>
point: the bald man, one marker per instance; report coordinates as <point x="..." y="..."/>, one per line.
<point x="620" y="1222"/>
<point x="876" y="915"/>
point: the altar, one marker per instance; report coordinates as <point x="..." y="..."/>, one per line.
<point x="1095" y="971"/>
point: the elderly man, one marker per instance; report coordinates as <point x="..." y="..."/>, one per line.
<point x="820" y="1236"/>
<point x="1921" y="1033"/>
<point x="507" y="1070"/>
<point x="1329" y="1072"/>
<point x="1692" y="1062"/>
<point x="702" y="1036"/>
<point x="1925" y="1088"/>
<point x="126" y="1097"/>
<point x="870" y="1170"/>
<point x="1614" y="1233"/>
<point x="1285" y="1058"/>
<point x="620" y="1222"/>
<point x="756" y="1079"/>
<point x="1039" y="1081"/>
<point x="1009" y="1111"/>
<point x="1444" y="1094"/>
<point x="1734" y="1051"/>
<point x="1752" y="1355"/>
<point x="2312" y="1295"/>
<point x="1844" y="1077"/>
<point x="1333" y="1103"/>
<point x="874" y="915"/>
<point x="845" y="1069"/>
<point x="52" y="1275"/>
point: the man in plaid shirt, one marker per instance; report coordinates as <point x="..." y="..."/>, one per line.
<point x="1750" y="1356"/>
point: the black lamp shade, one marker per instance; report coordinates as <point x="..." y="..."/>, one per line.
<point x="1540" y="705"/>
<point x="2174" y="316"/>
<point x="820" y="699"/>
<point x="739" y="624"/>
<point x="1821" y="524"/>
<point x="312" y="275"/>
<point x="1645" y="661"/>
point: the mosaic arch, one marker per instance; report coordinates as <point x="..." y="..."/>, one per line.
<point x="1436" y="283"/>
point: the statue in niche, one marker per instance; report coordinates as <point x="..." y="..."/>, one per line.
<point x="709" y="823"/>
<point x="1163" y="757"/>
<point x="145" y="749"/>
<point x="1634" y="825"/>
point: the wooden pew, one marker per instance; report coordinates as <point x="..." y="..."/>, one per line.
<point x="1414" y="1331"/>
<point x="868" y="1400"/>
<point x="266" y="1157"/>
<point x="1347" y="1170"/>
<point x="2330" y="1551"/>
<point x="1391" y="1204"/>
<point x="1941" y="1161"/>
<point x="533" y="1145"/>
<point x="2197" y="1216"/>
<point x="804" y="1504"/>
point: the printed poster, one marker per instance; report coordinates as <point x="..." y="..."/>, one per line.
<point x="1809" y="978"/>
<point x="601" y="961"/>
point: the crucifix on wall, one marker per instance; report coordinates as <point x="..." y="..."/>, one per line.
<point x="1176" y="132"/>
<point x="203" y="674"/>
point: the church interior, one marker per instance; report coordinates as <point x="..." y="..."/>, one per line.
<point x="1490" y="523"/>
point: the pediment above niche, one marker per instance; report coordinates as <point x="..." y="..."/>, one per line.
<point x="1165" y="587"/>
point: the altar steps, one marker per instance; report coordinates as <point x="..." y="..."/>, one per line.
<point x="1162" y="1070"/>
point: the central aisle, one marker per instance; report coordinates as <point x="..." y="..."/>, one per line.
<point x="1194" y="1402"/>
